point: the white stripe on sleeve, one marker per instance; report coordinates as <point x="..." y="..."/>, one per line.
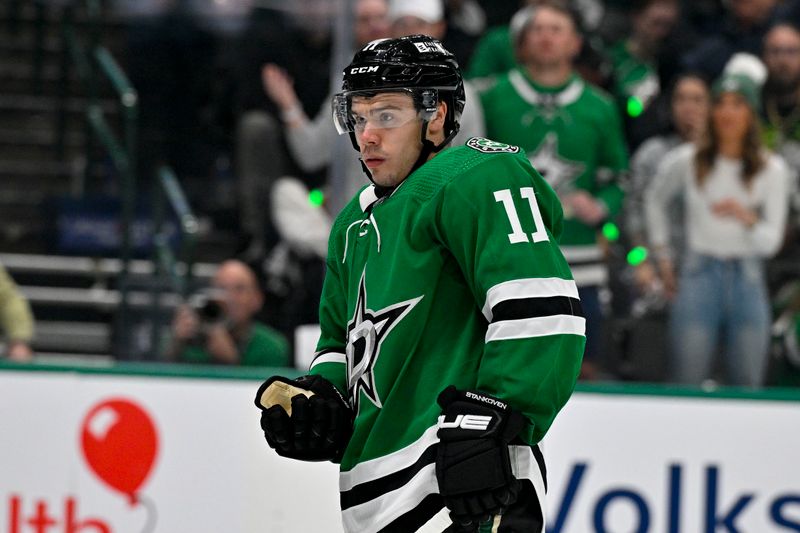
<point x="536" y="327"/>
<point x="330" y="357"/>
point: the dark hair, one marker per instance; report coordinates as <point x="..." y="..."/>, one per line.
<point x="752" y="150"/>
<point x="688" y="75"/>
<point x="565" y="7"/>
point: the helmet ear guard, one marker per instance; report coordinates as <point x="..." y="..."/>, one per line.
<point x="429" y="102"/>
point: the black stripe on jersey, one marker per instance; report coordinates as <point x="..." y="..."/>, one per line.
<point x="537" y="454"/>
<point x="417" y="517"/>
<point x="521" y="308"/>
<point x="370" y="490"/>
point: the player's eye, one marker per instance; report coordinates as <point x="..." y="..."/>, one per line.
<point x="386" y="119"/>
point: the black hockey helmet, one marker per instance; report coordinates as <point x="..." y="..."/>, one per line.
<point x="417" y="64"/>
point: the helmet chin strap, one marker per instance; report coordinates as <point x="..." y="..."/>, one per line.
<point x="428" y="148"/>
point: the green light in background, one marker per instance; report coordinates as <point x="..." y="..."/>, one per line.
<point x="637" y="256"/>
<point x="610" y="231"/>
<point x="316" y="197"/>
<point x="635" y="107"/>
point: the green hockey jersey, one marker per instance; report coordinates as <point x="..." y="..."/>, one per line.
<point x="573" y="136"/>
<point x="453" y="279"/>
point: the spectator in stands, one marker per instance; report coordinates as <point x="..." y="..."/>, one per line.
<point x="224" y="331"/>
<point x="573" y="136"/>
<point x="781" y="98"/>
<point x="297" y="38"/>
<point x="426" y="17"/>
<point x="635" y="78"/>
<point x="734" y="196"/>
<point x="496" y="52"/>
<point x="743" y="30"/>
<point x="690" y="107"/>
<point x="16" y="319"/>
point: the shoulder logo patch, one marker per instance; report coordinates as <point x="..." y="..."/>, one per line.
<point x="491" y="147"/>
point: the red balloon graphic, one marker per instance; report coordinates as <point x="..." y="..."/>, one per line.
<point x="120" y="443"/>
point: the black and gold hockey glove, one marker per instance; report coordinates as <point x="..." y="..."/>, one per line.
<point x="305" y="418"/>
<point x="472" y="465"/>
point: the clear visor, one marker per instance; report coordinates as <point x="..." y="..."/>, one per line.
<point x="355" y="111"/>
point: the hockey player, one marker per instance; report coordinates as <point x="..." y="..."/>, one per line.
<point x="451" y="327"/>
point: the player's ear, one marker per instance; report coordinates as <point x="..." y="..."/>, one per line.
<point x="436" y="124"/>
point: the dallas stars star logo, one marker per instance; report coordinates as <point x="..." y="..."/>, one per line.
<point x="560" y="173"/>
<point x="366" y="332"/>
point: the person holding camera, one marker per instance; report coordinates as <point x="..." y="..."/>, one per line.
<point x="223" y="330"/>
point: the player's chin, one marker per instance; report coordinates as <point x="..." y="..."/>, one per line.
<point x="384" y="179"/>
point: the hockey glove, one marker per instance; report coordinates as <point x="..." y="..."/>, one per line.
<point x="472" y="465"/>
<point x="305" y="418"/>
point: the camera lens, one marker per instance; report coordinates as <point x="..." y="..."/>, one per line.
<point x="210" y="311"/>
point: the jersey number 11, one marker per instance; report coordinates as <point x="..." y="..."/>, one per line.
<point x="517" y="234"/>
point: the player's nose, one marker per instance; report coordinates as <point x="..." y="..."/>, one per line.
<point x="370" y="134"/>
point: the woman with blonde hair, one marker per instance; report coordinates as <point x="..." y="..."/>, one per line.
<point x="735" y="202"/>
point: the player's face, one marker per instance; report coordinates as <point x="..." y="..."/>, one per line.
<point x="550" y="40"/>
<point x="388" y="152"/>
<point x="731" y="117"/>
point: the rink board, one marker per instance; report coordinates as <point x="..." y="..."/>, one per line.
<point x="619" y="460"/>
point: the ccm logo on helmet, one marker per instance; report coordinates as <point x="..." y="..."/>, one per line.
<point x="476" y="422"/>
<point x="363" y="70"/>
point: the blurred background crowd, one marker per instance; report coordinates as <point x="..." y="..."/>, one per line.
<point x="669" y="128"/>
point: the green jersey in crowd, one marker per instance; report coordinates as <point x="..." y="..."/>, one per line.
<point x="455" y="278"/>
<point x="263" y="346"/>
<point x="573" y="136"/>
